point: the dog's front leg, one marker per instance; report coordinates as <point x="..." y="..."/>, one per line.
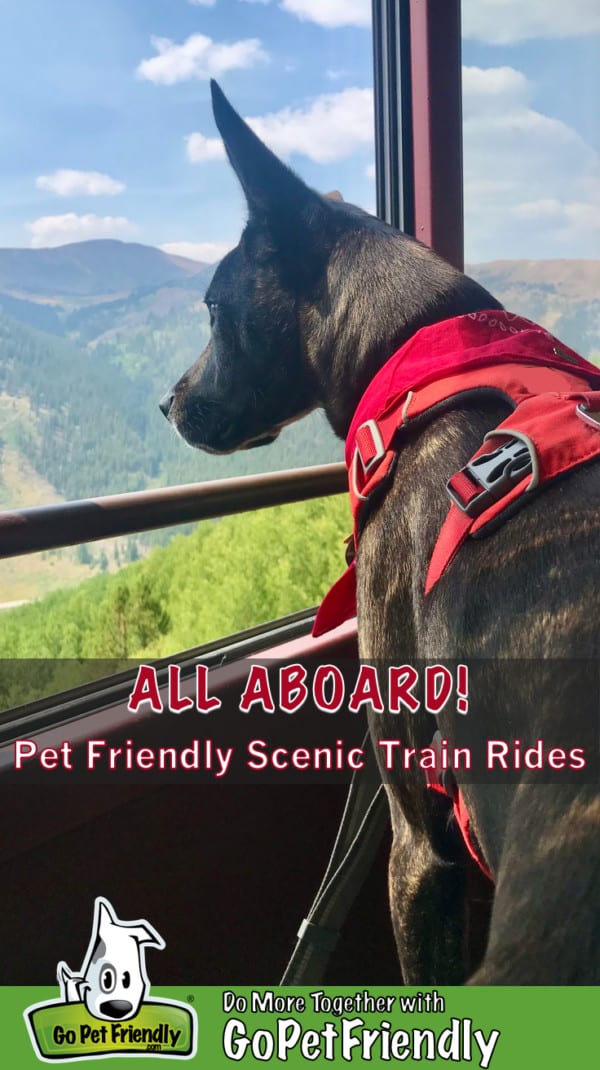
<point x="427" y="897"/>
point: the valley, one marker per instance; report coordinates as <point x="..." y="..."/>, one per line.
<point x="92" y="334"/>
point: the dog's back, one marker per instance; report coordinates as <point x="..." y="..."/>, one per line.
<point x="304" y="312"/>
<point x="521" y="608"/>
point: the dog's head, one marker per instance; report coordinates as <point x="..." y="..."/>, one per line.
<point x="254" y="375"/>
<point x="306" y="309"/>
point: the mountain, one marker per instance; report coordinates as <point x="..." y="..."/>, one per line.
<point x="143" y="307"/>
<point x="106" y="327"/>
<point x="562" y="295"/>
<point x="576" y="279"/>
<point x="88" y="269"/>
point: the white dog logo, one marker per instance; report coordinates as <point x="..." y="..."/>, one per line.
<point x="113" y="980"/>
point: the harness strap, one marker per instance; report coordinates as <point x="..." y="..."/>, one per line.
<point x="454" y="531"/>
<point x="545" y="437"/>
<point x="443" y="781"/>
<point x="464" y="823"/>
<point x="556" y="415"/>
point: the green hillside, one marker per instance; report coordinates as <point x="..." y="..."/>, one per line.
<point x="92" y="425"/>
<point x="223" y="577"/>
<point x="91" y="335"/>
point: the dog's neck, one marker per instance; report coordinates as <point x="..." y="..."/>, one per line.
<point x="382" y="288"/>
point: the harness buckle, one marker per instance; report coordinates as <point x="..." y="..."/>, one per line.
<point x="369" y="450"/>
<point x="589" y="415"/>
<point x="369" y="445"/>
<point x="488" y="478"/>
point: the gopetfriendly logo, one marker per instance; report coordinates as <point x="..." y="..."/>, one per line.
<point x="104" y="1010"/>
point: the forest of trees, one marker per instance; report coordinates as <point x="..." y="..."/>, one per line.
<point x="225" y="576"/>
<point x="92" y="425"/>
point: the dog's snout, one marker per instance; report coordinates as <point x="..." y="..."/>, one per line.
<point x="116" y="1008"/>
<point x="166" y="402"/>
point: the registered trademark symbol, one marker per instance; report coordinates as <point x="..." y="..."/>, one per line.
<point x="191" y="998"/>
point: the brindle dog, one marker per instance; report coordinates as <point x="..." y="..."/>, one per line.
<point x="304" y="311"/>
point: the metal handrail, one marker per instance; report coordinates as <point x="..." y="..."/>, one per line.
<point x="48" y="527"/>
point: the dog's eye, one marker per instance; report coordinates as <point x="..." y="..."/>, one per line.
<point x="126" y="979"/>
<point x="212" y="311"/>
<point x="108" y="978"/>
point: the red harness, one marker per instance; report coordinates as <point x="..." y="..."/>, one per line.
<point x="553" y="428"/>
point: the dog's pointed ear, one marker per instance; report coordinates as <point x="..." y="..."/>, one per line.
<point x="105" y="916"/>
<point x="269" y="185"/>
<point x="146" y="934"/>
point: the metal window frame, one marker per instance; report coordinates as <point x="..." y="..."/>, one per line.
<point x="101" y="705"/>
<point x="394" y="152"/>
<point x="418" y="121"/>
<point x="436" y="80"/>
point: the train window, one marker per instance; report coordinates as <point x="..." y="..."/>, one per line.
<point x="531" y="86"/>
<point x="115" y="215"/>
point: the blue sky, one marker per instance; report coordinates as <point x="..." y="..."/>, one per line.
<point x="106" y="130"/>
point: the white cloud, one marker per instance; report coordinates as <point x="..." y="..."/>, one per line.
<point x="53" y="230"/>
<point x="547" y="209"/>
<point x="330" y="128"/>
<point x="68" y="183"/>
<point x="370" y="171"/>
<point x="200" y="149"/>
<point x="504" y="22"/>
<point x="506" y="136"/>
<point x="575" y="216"/>
<point x="331" y="12"/>
<point x="532" y="184"/>
<point x="202" y="3"/>
<point x="492" y="89"/>
<point x="206" y="251"/>
<point x="198" y="57"/>
<point x="492" y="21"/>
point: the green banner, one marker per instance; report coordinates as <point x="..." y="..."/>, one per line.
<point x="62" y="1031"/>
<point x="510" y="1028"/>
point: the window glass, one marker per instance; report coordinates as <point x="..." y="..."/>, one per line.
<point x="116" y="203"/>
<point x="531" y="86"/>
